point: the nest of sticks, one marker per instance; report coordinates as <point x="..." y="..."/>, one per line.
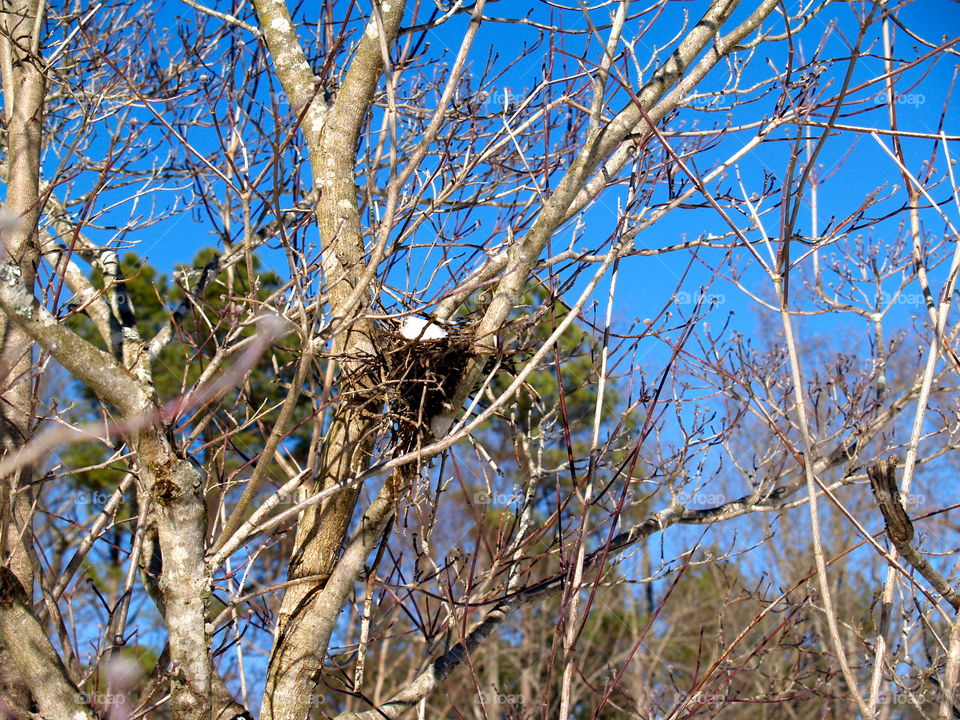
<point x="415" y="380"/>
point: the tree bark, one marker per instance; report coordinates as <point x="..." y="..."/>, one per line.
<point x="24" y="87"/>
<point x="331" y="133"/>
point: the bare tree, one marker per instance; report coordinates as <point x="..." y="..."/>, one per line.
<point x="562" y="414"/>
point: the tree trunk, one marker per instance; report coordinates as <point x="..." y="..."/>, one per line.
<point x="23" y="91"/>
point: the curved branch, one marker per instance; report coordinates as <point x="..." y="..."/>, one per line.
<point x="95" y="368"/>
<point x="40" y="666"/>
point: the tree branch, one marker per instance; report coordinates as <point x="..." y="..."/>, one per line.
<point x="40" y="666"/>
<point x="883" y="482"/>
<point x="95" y="368"/>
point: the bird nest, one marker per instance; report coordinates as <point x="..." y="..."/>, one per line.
<point x="412" y="381"/>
